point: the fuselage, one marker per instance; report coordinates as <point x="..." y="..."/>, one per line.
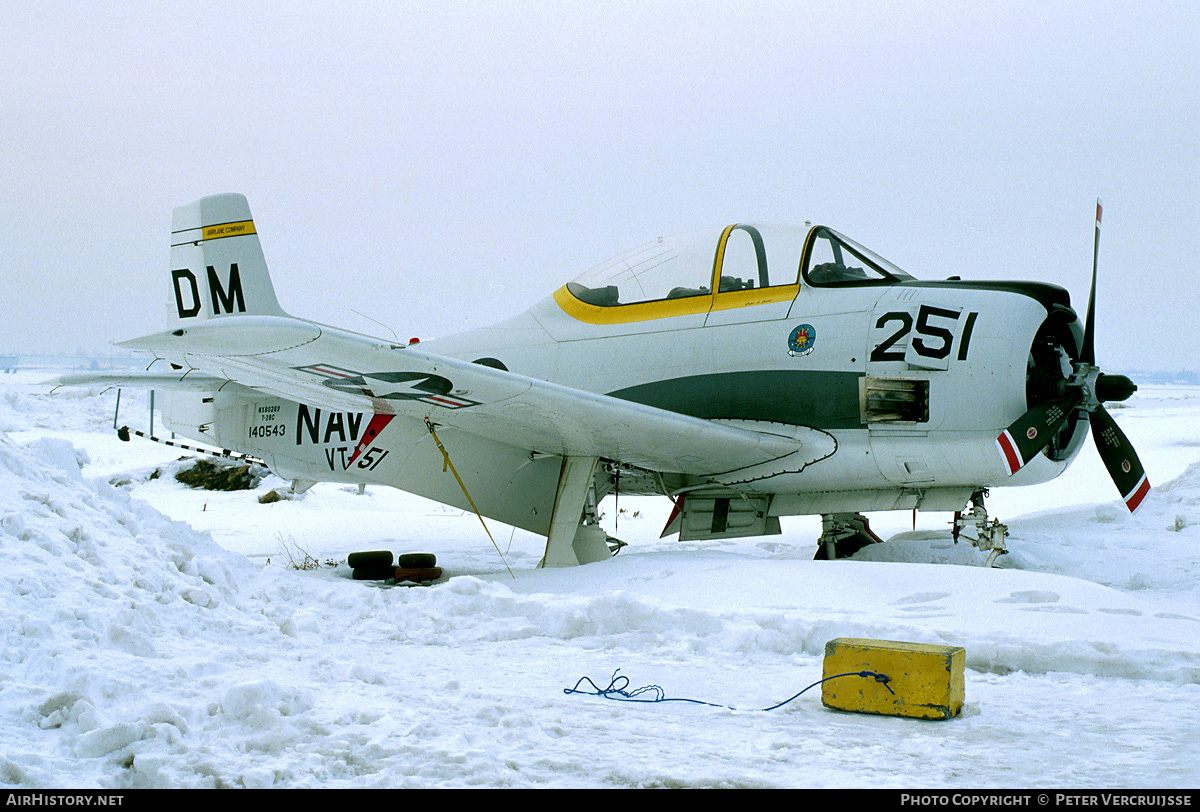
<point x="892" y="389"/>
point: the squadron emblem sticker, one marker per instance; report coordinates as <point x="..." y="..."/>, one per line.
<point x="802" y="340"/>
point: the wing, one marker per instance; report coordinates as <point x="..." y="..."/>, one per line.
<point x="318" y="365"/>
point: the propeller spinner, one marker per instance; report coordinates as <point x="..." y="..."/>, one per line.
<point x="1086" y="390"/>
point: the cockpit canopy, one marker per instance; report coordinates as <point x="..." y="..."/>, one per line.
<point x="770" y="259"/>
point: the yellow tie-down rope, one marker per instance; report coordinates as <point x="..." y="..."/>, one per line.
<point x="447" y="464"/>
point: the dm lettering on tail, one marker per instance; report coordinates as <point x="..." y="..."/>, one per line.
<point x="217" y="261"/>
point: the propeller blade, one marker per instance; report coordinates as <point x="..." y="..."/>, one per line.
<point x="1088" y="354"/>
<point x="1032" y="431"/>
<point x="1119" y="457"/>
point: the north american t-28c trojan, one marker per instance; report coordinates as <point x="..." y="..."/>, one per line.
<point x="747" y="373"/>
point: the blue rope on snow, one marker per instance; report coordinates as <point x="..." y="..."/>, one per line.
<point x="618" y="690"/>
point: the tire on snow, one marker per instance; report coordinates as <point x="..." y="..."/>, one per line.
<point x="376" y="573"/>
<point x="371" y="558"/>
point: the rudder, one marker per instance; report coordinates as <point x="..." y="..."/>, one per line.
<point x="217" y="264"/>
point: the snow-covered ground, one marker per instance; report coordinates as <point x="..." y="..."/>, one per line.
<point x="156" y="636"/>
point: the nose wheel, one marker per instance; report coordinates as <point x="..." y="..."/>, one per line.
<point x="989" y="537"/>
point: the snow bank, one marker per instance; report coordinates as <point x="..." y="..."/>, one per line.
<point x="99" y="594"/>
<point x="1155" y="551"/>
<point x="139" y="653"/>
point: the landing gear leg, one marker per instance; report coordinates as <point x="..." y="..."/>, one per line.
<point x="990" y="538"/>
<point x="843" y="535"/>
<point x="575" y="535"/>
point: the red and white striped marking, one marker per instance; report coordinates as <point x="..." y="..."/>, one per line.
<point x="1134" y="498"/>
<point x="1009" y="453"/>
<point x="329" y="371"/>
<point x="448" y="401"/>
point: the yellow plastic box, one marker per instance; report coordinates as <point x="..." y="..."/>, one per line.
<point x="927" y="681"/>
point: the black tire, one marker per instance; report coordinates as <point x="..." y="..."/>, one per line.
<point x="376" y="573"/>
<point x="371" y="558"/>
<point x="846" y="547"/>
<point x="422" y="577"/>
<point x="416" y="561"/>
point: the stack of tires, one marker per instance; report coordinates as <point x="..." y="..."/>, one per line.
<point x="378" y="565"/>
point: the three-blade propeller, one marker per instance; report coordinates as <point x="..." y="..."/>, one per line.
<point x="1088" y="389"/>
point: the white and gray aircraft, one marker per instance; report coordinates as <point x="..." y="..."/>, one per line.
<point x="748" y="373"/>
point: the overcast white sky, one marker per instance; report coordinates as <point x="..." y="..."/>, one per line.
<point x="439" y="166"/>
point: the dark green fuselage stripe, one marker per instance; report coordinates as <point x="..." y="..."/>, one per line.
<point x="820" y="400"/>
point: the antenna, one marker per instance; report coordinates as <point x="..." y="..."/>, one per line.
<point x="377" y="321"/>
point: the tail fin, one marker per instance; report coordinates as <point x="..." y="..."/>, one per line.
<point x="217" y="265"/>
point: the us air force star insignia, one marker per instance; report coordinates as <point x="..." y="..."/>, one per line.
<point x="422" y="386"/>
<point x="392" y="385"/>
<point x="402" y="386"/>
<point x="802" y="340"/>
